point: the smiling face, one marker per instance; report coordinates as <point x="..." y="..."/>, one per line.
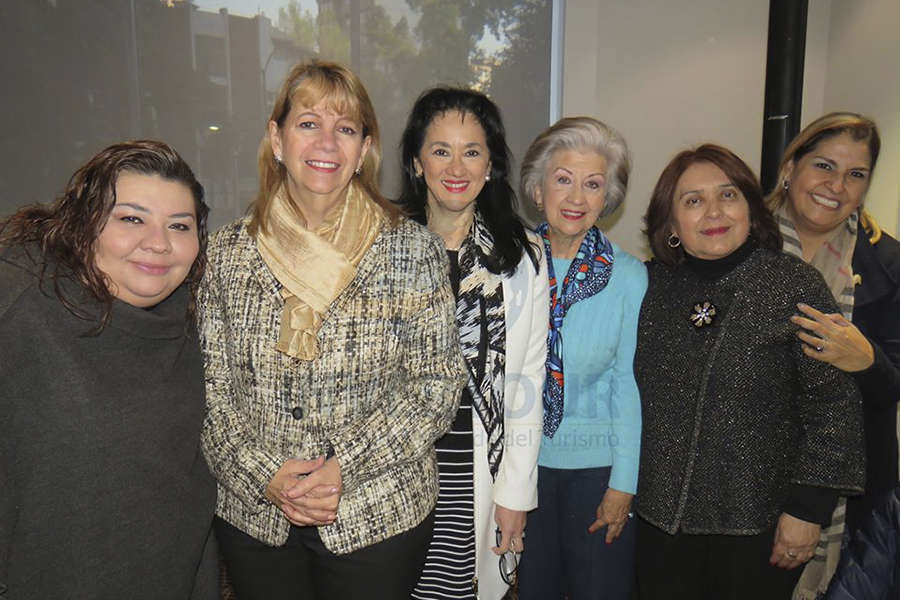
<point x="572" y="195"/>
<point x="455" y="162"/>
<point x="710" y="214"/>
<point x="828" y="184"/>
<point x="320" y="150"/>
<point x="149" y="242"/>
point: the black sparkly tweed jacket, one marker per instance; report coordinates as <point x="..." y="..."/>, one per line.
<point x="734" y="413"/>
<point x="385" y="385"/>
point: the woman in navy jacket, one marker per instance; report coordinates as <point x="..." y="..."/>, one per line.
<point x="818" y="202"/>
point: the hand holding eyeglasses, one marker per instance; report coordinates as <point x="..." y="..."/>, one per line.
<point x="510" y="530"/>
<point x="509" y="561"/>
<point x="510" y="537"/>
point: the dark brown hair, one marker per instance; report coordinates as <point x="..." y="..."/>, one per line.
<point x="658" y="219"/>
<point x="65" y="232"/>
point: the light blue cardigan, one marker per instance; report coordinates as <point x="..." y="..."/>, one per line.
<point x="601" y="423"/>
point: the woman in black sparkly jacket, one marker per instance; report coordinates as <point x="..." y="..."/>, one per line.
<point x="747" y="442"/>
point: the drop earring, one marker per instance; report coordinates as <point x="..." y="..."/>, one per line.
<point x="673" y="241"/>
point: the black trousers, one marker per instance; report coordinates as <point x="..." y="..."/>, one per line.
<point x="304" y="569"/>
<point x="709" y="567"/>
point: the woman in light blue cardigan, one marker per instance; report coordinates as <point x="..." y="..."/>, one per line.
<point x="581" y="539"/>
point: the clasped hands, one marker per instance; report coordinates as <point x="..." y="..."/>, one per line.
<point x="307" y="491"/>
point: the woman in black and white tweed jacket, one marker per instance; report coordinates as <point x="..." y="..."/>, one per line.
<point x="332" y="361"/>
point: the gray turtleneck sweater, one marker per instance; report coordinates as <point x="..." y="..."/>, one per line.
<point x="104" y="492"/>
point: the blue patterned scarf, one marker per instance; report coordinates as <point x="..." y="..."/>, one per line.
<point x="588" y="274"/>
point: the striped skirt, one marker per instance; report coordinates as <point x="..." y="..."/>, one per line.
<point x="449" y="569"/>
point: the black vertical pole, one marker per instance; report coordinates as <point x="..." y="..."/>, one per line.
<point x="784" y="83"/>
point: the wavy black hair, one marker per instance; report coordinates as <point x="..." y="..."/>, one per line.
<point x="497" y="201"/>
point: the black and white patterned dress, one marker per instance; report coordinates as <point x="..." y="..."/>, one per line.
<point x="449" y="570"/>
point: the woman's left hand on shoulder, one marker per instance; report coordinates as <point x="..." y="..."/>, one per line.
<point x="613" y="513"/>
<point x="833" y="339"/>
<point x="512" y="527"/>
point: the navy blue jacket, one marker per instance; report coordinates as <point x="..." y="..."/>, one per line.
<point x="870" y="566"/>
<point x="876" y="312"/>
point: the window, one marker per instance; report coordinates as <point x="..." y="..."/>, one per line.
<point x="201" y="76"/>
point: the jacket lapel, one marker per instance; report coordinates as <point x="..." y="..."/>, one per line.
<point x="870" y="265"/>
<point x="270" y="286"/>
<point x="367" y="267"/>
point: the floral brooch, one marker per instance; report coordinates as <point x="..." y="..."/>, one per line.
<point x="704" y="314"/>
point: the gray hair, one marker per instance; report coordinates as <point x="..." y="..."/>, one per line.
<point x="583" y="134"/>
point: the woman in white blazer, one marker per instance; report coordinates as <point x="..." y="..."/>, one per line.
<point x="456" y="167"/>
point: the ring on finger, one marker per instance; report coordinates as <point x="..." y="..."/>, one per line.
<point x="791" y="554"/>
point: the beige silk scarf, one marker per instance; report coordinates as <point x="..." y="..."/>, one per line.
<point x="314" y="267"/>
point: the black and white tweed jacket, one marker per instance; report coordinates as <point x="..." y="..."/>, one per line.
<point x="384" y="387"/>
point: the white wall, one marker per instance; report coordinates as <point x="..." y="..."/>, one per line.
<point x="816" y="60"/>
<point x="673" y="74"/>
<point x="863" y="75"/>
<point x="668" y="75"/>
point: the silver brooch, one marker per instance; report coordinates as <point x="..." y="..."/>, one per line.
<point x="703" y="314"/>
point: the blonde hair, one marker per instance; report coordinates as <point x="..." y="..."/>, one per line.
<point x="860" y="128"/>
<point x="308" y="84"/>
<point x="870" y="225"/>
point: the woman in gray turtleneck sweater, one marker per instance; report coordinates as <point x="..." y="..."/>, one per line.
<point x="104" y="492"/>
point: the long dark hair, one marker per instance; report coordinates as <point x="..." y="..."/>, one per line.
<point x="65" y="232"/>
<point x="658" y="219"/>
<point x="496" y="201"/>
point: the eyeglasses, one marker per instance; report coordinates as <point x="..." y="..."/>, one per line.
<point x="509" y="563"/>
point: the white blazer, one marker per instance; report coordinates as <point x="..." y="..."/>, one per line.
<point x="526" y="300"/>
